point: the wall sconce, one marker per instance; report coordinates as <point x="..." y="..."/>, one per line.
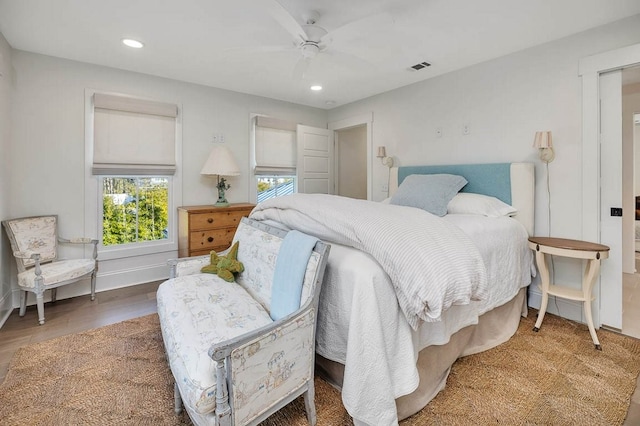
<point x="221" y="163"/>
<point x="543" y="142"/>
<point x="382" y="155"/>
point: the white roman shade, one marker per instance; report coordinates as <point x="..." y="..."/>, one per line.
<point x="275" y="147"/>
<point x="133" y="136"/>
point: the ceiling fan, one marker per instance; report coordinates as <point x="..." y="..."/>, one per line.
<point x="311" y="39"/>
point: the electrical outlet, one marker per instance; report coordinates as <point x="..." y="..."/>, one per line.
<point x="384" y="188"/>
<point x="438" y="132"/>
<point x="218" y="138"/>
<point x="466" y="129"/>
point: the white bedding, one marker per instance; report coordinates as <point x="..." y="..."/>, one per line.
<point x="361" y="325"/>
<point x="431" y="270"/>
<point x="358" y="327"/>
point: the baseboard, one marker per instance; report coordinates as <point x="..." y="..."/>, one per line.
<point x="105" y="281"/>
<point x="6" y="307"/>
<point x="133" y="276"/>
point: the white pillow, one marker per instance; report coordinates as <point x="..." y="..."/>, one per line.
<point x="485" y="205"/>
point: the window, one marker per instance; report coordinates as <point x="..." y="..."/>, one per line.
<point x="275" y="186"/>
<point x="134" y="209"/>
<point x="133" y="162"/>
<point x="275" y="157"/>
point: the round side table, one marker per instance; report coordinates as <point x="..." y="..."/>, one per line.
<point x="592" y="252"/>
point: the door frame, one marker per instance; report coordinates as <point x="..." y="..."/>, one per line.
<point x="364" y="119"/>
<point x="590" y="69"/>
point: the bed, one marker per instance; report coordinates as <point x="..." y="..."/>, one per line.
<point x="388" y="363"/>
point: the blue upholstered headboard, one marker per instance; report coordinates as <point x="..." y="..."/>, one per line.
<point x="513" y="183"/>
<point x="488" y="179"/>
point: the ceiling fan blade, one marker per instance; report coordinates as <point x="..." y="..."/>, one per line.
<point x="301" y="67"/>
<point x="249" y="49"/>
<point x="288" y="22"/>
<point x="359" y="28"/>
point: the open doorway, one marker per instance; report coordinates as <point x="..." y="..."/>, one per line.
<point x="352" y="167"/>
<point x="351" y="162"/>
<point x="602" y="177"/>
<point x="631" y="202"/>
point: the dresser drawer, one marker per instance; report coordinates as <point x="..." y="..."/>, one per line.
<point x="207" y="240"/>
<point x="202" y="229"/>
<point x="216" y="220"/>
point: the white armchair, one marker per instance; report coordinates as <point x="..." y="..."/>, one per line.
<point x="34" y="241"/>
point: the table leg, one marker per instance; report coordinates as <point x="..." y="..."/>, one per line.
<point x="590" y="274"/>
<point x="543" y="269"/>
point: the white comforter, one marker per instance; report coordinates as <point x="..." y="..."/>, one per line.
<point x="432" y="263"/>
<point x="359" y="326"/>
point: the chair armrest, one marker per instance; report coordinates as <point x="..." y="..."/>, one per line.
<point x="27" y="255"/>
<point x="36" y="259"/>
<point x="187" y="265"/>
<point x="82" y="240"/>
<point x="241" y="361"/>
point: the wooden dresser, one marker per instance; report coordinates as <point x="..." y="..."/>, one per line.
<point x="202" y="229"/>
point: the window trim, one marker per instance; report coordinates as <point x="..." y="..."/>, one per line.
<point x="93" y="193"/>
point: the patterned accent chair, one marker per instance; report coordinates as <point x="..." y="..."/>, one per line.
<point x="232" y="363"/>
<point x="34" y="242"/>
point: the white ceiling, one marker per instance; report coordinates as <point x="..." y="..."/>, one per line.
<point x="239" y="45"/>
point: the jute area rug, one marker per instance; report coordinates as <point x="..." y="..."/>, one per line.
<point x="117" y="375"/>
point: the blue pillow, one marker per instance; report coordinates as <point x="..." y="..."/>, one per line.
<point x="428" y="192"/>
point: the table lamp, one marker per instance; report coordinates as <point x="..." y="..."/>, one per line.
<point x="221" y="163"/>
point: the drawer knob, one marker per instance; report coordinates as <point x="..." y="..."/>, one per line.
<point x="210" y="220"/>
<point x="210" y="239"/>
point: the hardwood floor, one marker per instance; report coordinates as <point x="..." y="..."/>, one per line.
<point x="80" y="313"/>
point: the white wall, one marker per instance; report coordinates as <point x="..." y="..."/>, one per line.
<point x="48" y="161"/>
<point x="6" y="78"/>
<point x="504" y="102"/>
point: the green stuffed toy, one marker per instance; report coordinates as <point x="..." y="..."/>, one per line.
<point x="225" y="266"/>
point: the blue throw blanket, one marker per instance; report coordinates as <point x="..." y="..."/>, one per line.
<point x="288" y="276"/>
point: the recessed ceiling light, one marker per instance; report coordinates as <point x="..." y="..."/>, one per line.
<point x="133" y="43"/>
<point x="316" y="87"/>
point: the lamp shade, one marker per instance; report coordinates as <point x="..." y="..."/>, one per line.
<point x="382" y="152"/>
<point x="542" y="140"/>
<point x="220" y="162"/>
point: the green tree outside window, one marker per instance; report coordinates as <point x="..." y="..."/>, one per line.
<point x="134" y="210"/>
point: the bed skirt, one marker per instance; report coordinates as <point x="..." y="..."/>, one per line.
<point x="434" y="362"/>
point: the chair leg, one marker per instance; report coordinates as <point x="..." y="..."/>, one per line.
<point x="309" y="404"/>
<point x="40" y="303"/>
<point x="93" y="285"/>
<point x="177" y="399"/>
<point x="54" y="293"/>
<point x="23" y="302"/>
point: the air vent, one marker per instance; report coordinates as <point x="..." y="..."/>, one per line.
<point x="421" y="65"/>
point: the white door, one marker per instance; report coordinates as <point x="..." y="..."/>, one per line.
<point x="611" y="197"/>
<point x="315" y="160"/>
